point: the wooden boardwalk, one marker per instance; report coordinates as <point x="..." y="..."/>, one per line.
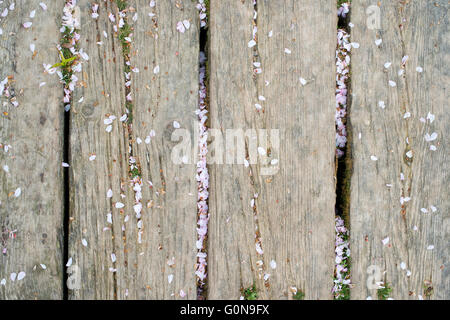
<point x="123" y="222"/>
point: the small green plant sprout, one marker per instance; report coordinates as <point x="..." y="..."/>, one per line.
<point x="251" y="293"/>
<point x="135" y="172"/>
<point x="65" y="62"/>
<point x="428" y="288"/>
<point x="384" y="292"/>
<point x="299" y="295"/>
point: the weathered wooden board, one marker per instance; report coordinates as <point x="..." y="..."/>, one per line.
<point x="293" y="215"/>
<point x="103" y="95"/>
<point x="31" y="153"/>
<point x="166" y="229"/>
<point x="166" y="90"/>
<point x="419" y="30"/>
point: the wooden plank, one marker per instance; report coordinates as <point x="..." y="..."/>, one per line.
<point x="103" y="95"/>
<point x="419" y="30"/>
<point x="31" y="139"/>
<point x="165" y="228"/>
<point x="292" y="218"/>
<point x="165" y="90"/>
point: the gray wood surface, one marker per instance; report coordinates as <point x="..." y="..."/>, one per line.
<point x="419" y="30"/>
<point x="169" y="214"/>
<point x="31" y="150"/>
<point x="293" y="215"/>
<point x="103" y="93"/>
<point x="166" y="230"/>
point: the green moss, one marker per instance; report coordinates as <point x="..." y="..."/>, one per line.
<point x="345" y="293"/>
<point x="207" y="10"/>
<point x="300" y="295"/>
<point x="124" y="32"/>
<point x="135" y="172"/>
<point x="250" y="293"/>
<point x="121" y="4"/>
<point x="129" y="107"/>
<point x="383" y="293"/>
<point x="66" y="39"/>
<point x="127" y="68"/>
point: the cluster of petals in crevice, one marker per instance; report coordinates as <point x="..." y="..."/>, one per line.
<point x="202" y="176"/>
<point x="202" y="169"/>
<point x="342" y="73"/>
<point x="342" y="280"/>
<point x="342" y="250"/>
<point x="70" y="39"/>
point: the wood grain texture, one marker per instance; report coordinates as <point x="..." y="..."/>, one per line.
<point x="168" y="220"/>
<point x="32" y="223"/>
<point x="294" y="209"/>
<point x="169" y="217"/>
<point x="103" y="95"/>
<point x="419" y="30"/>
